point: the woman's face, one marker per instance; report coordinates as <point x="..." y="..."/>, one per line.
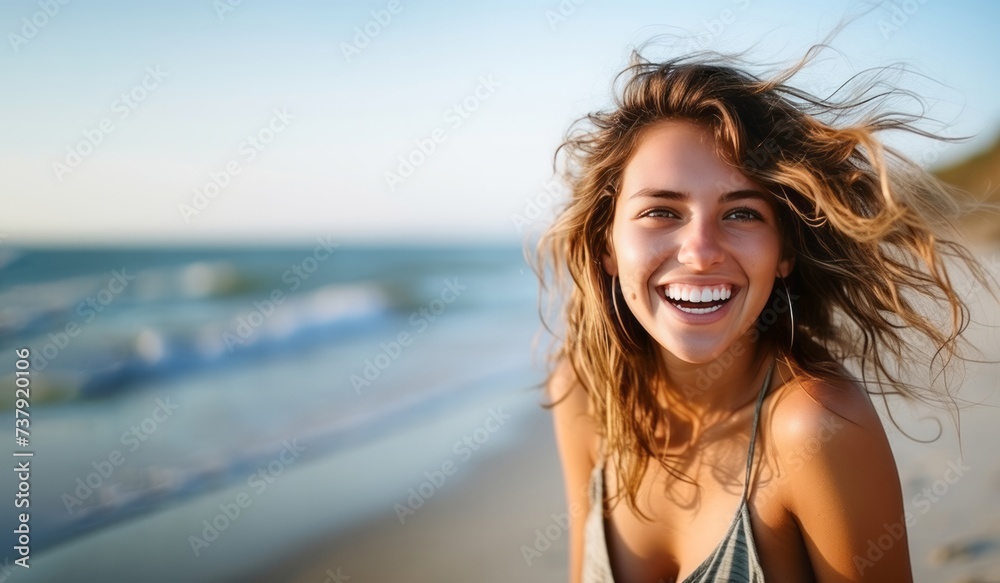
<point x="694" y="243"/>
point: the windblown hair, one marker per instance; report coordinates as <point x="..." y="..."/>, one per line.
<point x="874" y="236"/>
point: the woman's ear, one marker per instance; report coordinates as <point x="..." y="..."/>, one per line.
<point x="609" y="263"/>
<point x="608" y="260"/>
<point x="785" y="266"/>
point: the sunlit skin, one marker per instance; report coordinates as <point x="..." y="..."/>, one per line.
<point x="685" y="216"/>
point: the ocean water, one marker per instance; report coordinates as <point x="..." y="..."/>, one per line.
<point x="162" y="379"/>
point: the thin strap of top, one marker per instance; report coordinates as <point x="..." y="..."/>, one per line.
<point x="753" y="431"/>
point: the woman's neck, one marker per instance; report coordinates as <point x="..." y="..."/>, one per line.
<point x="717" y="388"/>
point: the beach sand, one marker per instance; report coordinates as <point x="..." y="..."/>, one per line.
<point x="472" y="530"/>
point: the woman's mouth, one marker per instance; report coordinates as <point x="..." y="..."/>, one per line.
<point x="698" y="299"/>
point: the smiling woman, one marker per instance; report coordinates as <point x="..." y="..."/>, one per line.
<point x="681" y="200"/>
<point x="731" y="243"/>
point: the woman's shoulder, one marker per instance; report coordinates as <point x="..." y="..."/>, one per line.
<point x="834" y="476"/>
<point x="825" y="435"/>
<point x="807" y="407"/>
<point x="577" y="433"/>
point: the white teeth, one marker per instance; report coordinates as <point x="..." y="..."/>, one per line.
<point x="698" y="294"/>
<point x="699" y="310"/>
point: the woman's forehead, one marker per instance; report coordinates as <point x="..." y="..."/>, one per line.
<point x="682" y="156"/>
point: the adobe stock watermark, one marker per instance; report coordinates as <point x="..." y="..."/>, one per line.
<point x="335" y="576"/>
<point x="88" y="309"/>
<point x="799" y="456"/>
<point x="715" y="27"/>
<point x="263" y="308"/>
<point x="419" y="320"/>
<point x="33" y="24"/>
<point x="534" y="208"/>
<point x="366" y="33"/>
<point x="230" y="512"/>
<point x="562" y="12"/>
<point x="901" y="13"/>
<point x="132" y="438"/>
<point x="553" y="530"/>
<point x="708" y="374"/>
<point x="246" y="152"/>
<point x="123" y="107"/>
<point x="924" y="501"/>
<point x="932" y="154"/>
<point x="455" y="116"/>
<point x="224" y="8"/>
<point x="463" y="449"/>
<point x="5" y="569"/>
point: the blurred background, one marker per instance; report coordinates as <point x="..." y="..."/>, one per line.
<point x="268" y="263"/>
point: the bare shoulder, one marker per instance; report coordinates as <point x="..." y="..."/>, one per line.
<point x="577" y="440"/>
<point x="824" y="436"/>
<point x="576" y="431"/>
<point x="837" y="477"/>
<point x="805" y="409"/>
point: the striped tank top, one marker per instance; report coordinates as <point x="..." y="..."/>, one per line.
<point x="734" y="560"/>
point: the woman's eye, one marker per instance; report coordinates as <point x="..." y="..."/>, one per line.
<point x="659" y="213"/>
<point x="745" y="215"/>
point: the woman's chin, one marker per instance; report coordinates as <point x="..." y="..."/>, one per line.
<point x="695" y="353"/>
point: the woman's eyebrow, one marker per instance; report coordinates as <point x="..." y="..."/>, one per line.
<point x="743" y="195"/>
<point x="660" y="193"/>
<point x="683" y="196"/>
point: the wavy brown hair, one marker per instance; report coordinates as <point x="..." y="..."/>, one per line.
<point x="874" y="236"/>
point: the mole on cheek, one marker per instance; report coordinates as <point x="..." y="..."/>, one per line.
<point x="633" y="295"/>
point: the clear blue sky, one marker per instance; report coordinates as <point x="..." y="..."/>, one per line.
<point x="221" y="79"/>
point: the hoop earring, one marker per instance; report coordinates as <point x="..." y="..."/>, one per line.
<point x="791" y="314"/>
<point x="614" y="303"/>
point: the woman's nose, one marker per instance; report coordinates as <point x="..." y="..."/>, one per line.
<point x="700" y="247"/>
